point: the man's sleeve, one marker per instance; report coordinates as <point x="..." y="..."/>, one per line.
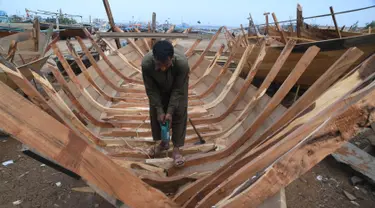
<point x="178" y="88"/>
<point x="152" y="90"/>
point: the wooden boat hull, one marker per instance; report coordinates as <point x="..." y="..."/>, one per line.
<point x="331" y="50"/>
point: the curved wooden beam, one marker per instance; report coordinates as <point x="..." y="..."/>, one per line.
<point x="276" y="99"/>
<point x="210" y="44"/>
<point x="102" y="75"/>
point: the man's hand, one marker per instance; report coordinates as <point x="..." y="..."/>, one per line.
<point x="168" y="117"/>
<point x="161" y="118"/>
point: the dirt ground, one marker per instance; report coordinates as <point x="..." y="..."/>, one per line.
<point x="35" y="185"/>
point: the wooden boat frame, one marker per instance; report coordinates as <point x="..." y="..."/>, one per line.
<point x="99" y="126"/>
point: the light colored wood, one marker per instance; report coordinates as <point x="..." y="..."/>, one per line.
<point x="101" y="73"/>
<point x="122" y="57"/>
<point x="190" y="52"/>
<point x="210" y="67"/>
<point x="309" y="151"/>
<point x="232" y="80"/>
<point x="64" y="146"/>
<point x="280" y="94"/>
<point x="208" y="47"/>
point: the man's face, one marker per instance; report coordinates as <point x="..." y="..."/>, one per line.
<point x="163" y="65"/>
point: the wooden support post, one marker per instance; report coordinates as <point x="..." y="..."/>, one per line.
<point x="299" y="20"/>
<point x="111" y="20"/>
<point x="153" y="27"/>
<point x="282" y="34"/>
<point x="335" y="22"/>
<point x="266" y="29"/>
<point x="245" y="35"/>
<point x="36" y="33"/>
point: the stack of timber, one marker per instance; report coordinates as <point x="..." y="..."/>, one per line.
<point x="98" y="126"/>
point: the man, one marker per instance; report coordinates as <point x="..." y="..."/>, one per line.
<point x="166" y="78"/>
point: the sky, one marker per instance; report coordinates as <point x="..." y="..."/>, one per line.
<point x="208" y="12"/>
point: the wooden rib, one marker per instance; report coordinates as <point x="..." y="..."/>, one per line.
<point x="109" y="63"/>
<point x="210" y="66"/>
<point x="67" y="115"/>
<point x="77" y="83"/>
<point x="64" y="85"/>
<point x="223" y="71"/>
<point x="232" y="80"/>
<point x="100" y="72"/>
<point x="137" y="69"/>
<point x="70" y="151"/>
<point x="243" y="90"/>
<point x="144" y="40"/>
<point x="131" y="42"/>
<point x="281" y="31"/>
<point x="27" y="88"/>
<point x="276" y="99"/>
<point x="337" y="69"/>
<point x="322" y="84"/>
<point x="190" y="52"/>
<point x="138" y="97"/>
<point x="84" y="92"/>
<point x="345" y="125"/>
<point x="201" y="57"/>
<point x="186" y="193"/>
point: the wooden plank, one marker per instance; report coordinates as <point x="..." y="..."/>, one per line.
<point x="321" y="85"/>
<point x="280" y="94"/>
<point x="223" y="71"/>
<point x="111" y="20"/>
<point x="64" y="146"/>
<point x="232" y="79"/>
<point x="299" y="20"/>
<point x="190" y="51"/>
<point x="249" y="78"/>
<point x="307" y="154"/>
<point x="281" y="31"/>
<point x="99" y="71"/>
<point x="296" y="73"/>
<point x="66" y="114"/>
<point x="210" y="67"/>
<point x="153" y="35"/>
<point x="16" y="76"/>
<point x="76" y="103"/>
<point x="137" y="69"/>
<point x="209" y="45"/>
<point x="324" y="108"/>
<point x="109" y="63"/>
<point x="334" y="21"/>
<point x="358" y="159"/>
